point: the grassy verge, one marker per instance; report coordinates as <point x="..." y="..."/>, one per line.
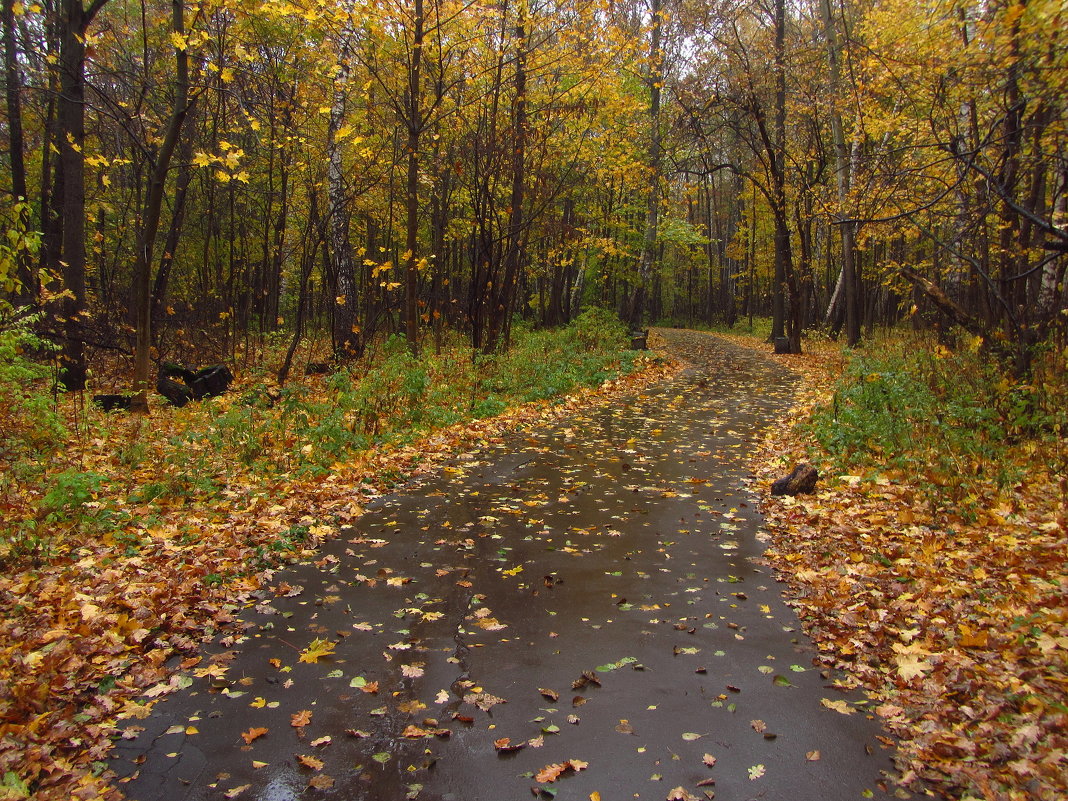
<point x="129" y="540"/>
<point x="929" y="565"/>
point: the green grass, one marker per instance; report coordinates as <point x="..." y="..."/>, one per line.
<point x="951" y="420"/>
<point x="73" y="477"/>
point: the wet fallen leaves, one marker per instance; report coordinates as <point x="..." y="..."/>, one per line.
<point x="551" y="773"/>
<point x="957" y="626"/>
<point x="86" y="635"/>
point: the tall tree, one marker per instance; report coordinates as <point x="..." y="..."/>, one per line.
<point x="75" y="20"/>
<point x="13" y="97"/>
<point x="846" y="291"/>
<point x="654" y="81"/>
<point x="150" y="216"/>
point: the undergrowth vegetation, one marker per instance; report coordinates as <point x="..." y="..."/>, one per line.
<point x="953" y="420"/>
<point x="72" y="473"/>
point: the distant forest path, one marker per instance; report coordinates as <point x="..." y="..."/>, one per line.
<point x="576" y="610"/>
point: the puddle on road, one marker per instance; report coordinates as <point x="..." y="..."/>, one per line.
<point x="580" y="596"/>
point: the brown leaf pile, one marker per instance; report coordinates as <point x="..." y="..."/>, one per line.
<point x="86" y="632"/>
<point x="959" y="630"/>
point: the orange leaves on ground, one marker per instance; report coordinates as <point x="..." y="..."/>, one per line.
<point x="300" y="719"/>
<point x="413" y="732"/>
<point x="310" y="762"/>
<point x="551" y="773"/>
<point x="254" y="733"/>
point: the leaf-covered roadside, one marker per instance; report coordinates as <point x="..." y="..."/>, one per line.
<point x="955" y="622"/>
<point x="86" y="633"/>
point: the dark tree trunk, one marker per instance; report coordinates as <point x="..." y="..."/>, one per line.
<point x="27" y="290"/>
<point x="143" y="258"/>
<point x="70" y="117"/>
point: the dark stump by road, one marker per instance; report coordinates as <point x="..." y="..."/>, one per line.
<point x="587" y="591"/>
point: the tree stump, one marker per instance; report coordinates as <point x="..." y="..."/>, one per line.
<point x="172" y="370"/>
<point x="175" y="393"/>
<point x="782" y="345"/>
<point x="802" y="480"/>
<point x="211" y="381"/>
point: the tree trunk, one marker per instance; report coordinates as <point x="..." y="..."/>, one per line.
<point x="777" y="163"/>
<point x="415" y="129"/>
<point x="142" y="296"/>
<point x="27" y="290"/>
<point x="646" y="258"/>
<point x="502" y="302"/>
<point x="346" y="328"/>
<point x="70" y="117"/>
<point x="846" y="292"/>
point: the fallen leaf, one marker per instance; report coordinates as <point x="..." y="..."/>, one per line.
<point x="839" y="706"/>
<point x="483" y="701"/>
<point x="551" y="773"/>
<point x="301" y="718"/>
<point x="310" y="762"/>
<point x="253" y="733"/>
<point x="321" y="782"/>
<point x="505" y="745"/>
<point x="317" y="650"/>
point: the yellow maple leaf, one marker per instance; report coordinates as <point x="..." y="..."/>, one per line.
<point x="909" y="666"/>
<point x="317" y="650"/>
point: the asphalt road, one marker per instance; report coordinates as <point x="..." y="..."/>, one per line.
<point x="587" y="591"/>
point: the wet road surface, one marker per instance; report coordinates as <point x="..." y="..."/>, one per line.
<point x="587" y="591"/>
